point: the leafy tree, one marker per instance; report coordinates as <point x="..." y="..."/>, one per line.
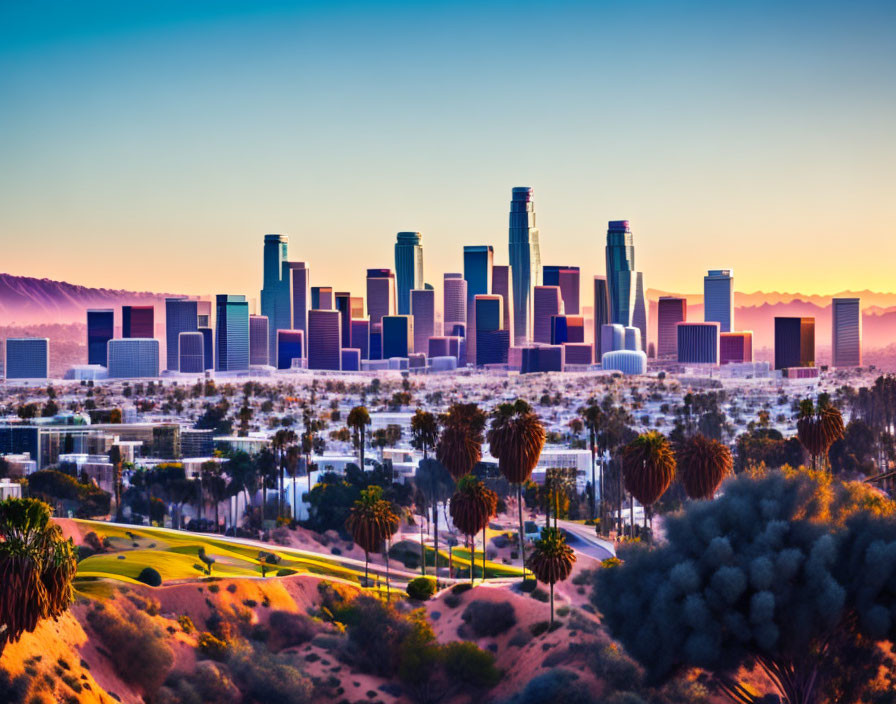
<point x="702" y="465"/>
<point x="424" y="435"/>
<point x="552" y="560"/>
<point x="372" y="522"/>
<point x="593" y="419"/>
<point x="472" y="507"/>
<point x="357" y="421"/>
<point x="818" y="428"/>
<point x="792" y="572"/>
<point x="648" y="468"/>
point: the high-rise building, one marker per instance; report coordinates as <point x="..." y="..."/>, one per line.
<point x="276" y="291"/>
<point x="525" y="261"/>
<point x="423" y="310"/>
<point x="794" y="342"/>
<point x="191" y="352"/>
<point x="321" y="298"/>
<point x="639" y="309"/>
<point x="718" y="298"/>
<point x="301" y="294"/>
<point x="735" y="347"/>
<point x="208" y="346"/>
<point x="612" y="338"/>
<point x="258" y="340"/>
<point x="357" y="307"/>
<point x="361" y="336"/>
<point x="546" y="302"/>
<point x="567" y="328"/>
<point x="501" y="287"/>
<point x="568" y="278"/>
<point x="380" y="294"/>
<point x="181" y="315"/>
<point x="138" y="321"/>
<point x="670" y="311"/>
<point x="324" y="339"/>
<point x="343" y="303"/>
<point x="492" y="341"/>
<point x="846" y="332"/>
<point x="633" y="338"/>
<point x="698" y="343"/>
<point x="408" y="268"/>
<point x="351" y="359"/>
<point x="232" y="333"/>
<point x="27" y="358"/>
<point x="100" y="329"/>
<point x="133" y="358"/>
<point x="620" y="265"/>
<point x="290" y="346"/>
<point x="478" y="264"/>
<point x="398" y="336"/>
<point x="375" y="338"/>
<point x="454" y="302"/>
<point x="601" y="312"/>
<point x="203" y="314"/>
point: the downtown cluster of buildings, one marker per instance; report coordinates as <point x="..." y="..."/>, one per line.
<point x="522" y="316"/>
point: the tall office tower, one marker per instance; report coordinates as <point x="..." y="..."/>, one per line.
<point x="612" y="338"/>
<point x="27" y="358"/>
<point x="375" y="341"/>
<point x="276" y="292"/>
<point x="398" y="336"/>
<point x="550" y="274"/>
<point x="232" y="333"/>
<point x="454" y="302"/>
<point x="670" y="311"/>
<point x="698" y="343"/>
<point x="133" y="358"/>
<point x="633" y="339"/>
<point x="343" y="301"/>
<point x="718" y="298"/>
<point x="620" y="261"/>
<point x="361" y="336"/>
<point x="501" y="287"/>
<point x="525" y="262"/>
<point x="321" y="298"/>
<point x="100" y="329"/>
<point x="138" y="321"/>
<point x="208" y="346"/>
<point x="423" y="310"/>
<point x="290" y="346"/>
<point x="204" y="314"/>
<point x="191" y="352"/>
<point x="300" y="286"/>
<point x="846" y="332"/>
<point x="408" y="268"/>
<point x="546" y="302"/>
<point x="478" y="263"/>
<point x="357" y="307"/>
<point x="324" y="339"/>
<point x="380" y="294"/>
<point x="735" y="347"/>
<point x="601" y="312"/>
<point x="492" y="340"/>
<point x="794" y="342"/>
<point x="567" y="328"/>
<point x="569" y="281"/>
<point x="258" y="340"/>
<point x="639" y="310"/>
<point x="181" y="315"/>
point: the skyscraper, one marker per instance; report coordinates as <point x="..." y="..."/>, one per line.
<point x="290" y="346"/>
<point x="423" y="310"/>
<point x="492" y="340"/>
<point x="191" y="352"/>
<point x="633" y="339"/>
<point x="546" y="302"/>
<point x="612" y="338"/>
<point x="361" y="336"/>
<point x="408" y="268"/>
<point x="478" y="264"/>
<point x="567" y="328"/>
<point x="343" y="303"/>
<point x="398" y="336"/>
<point x="718" y="298"/>
<point x="276" y="291"/>
<point x="208" y="346"/>
<point x="846" y="332"/>
<point x="568" y="279"/>
<point x="258" y="340"/>
<point x="181" y="315"/>
<point x="133" y="358"/>
<point x="27" y="358"/>
<point x="735" y="347"/>
<point x="380" y="294"/>
<point x="639" y="309"/>
<point x="301" y="295"/>
<point x="620" y="264"/>
<point x="100" y="329"/>
<point x="670" y="311"/>
<point x="357" y="307"/>
<point x="321" y="298"/>
<point x="138" y="321"/>
<point x="324" y="339"/>
<point x="525" y="261"/>
<point x="232" y="333"/>
<point x="501" y="287"/>
<point x="454" y="302"/>
<point x="698" y="343"/>
<point x="794" y="342"/>
<point x="601" y="313"/>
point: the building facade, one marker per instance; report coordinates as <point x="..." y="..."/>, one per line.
<point x="324" y="339"/>
<point x="525" y="261"/>
<point x="231" y="333"/>
<point x="290" y="347"/>
<point x="735" y="347"/>
<point x="259" y="335"/>
<point x="794" y="342"/>
<point x="501" y="287"/>
<point x="398" y="336"/>
<point x="408" y="268"/>
<point x="423" y="310"/>
<point x="601" y="312"/>
<point x="454" y="302"/>
<point x="191" y="352"/>
<point x="698" y="343"/>
<point x="138" y="321"/>
<point x="133" y="358"/>
<point x="670" y="311"/>
<point x="181" y="315"/>
<point x="546" y="303"/>
<point x="27" y="358"/>
<point x="846" y="332"/>
<point x="380" y="294"/>
<point x="718" y="298"/>
<point x="276" y="291"/>
<point x="100" y="329"/>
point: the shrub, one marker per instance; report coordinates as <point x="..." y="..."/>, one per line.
<point x="461" y="588"/>
<point x="540" y="595"/>
<point x="150" y="576"/>
<point x="615" y="667"/>
<point x="421" y="588"/>
<point x="452" y="601"/>
<point x="539" y="627"/>
<point x="528" y="585"/>
<point x="96" y="542"/>
<point x="489" y="618"/>
<point x="469" y="665"/>
<point x="289" y="629"/>
<point x="186" y="623"/>
<point x="269" y="678"/>
<point x="559" y="685"/>
<point x="519" y="639"/>
<point x="213" y="647"/>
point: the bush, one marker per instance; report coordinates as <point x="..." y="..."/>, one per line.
<point x="270" y="678"/>
<point x="421" y="588"/>
<point x="615" y="667"/>
<point x="559" y="685"/>
<point x="528" y="585"/>
<point x="461" y="588"/>
<point x="407" y="552"/>
<point x="289" y="629"/>
<point x="540" y="595"/>
<point x="489" y="618"/>
<point x="539" y="627"/>
<point x="150" y="576"/>
<point x="213" y="647"/>
<point x="469" y="665"/>
<point x="186" y="623"/>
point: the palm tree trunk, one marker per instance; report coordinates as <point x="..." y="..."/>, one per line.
<point x="552" y="605"/>
<point x="295" y="495"/>
<point x="422" y="550"/>
<point x="621" y="529"/>
<point x="280" y="495"/>
<point x="631" y="506"/>
<point x="366" y="560"/>
<point x="483" y="552"/>
<point x="435" y="537"/>
<point x="472" y="545"/>
<point x="388" y="587"/>
<point x="593" y="485"/>
<point x="519" y="502"/>
<point x="604" y="529"/>
<point x="217" y="524"/>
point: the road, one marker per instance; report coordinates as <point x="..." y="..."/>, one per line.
<point x="583" y="539"/>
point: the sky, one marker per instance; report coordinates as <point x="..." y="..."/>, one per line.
<point x="151" y="145"/>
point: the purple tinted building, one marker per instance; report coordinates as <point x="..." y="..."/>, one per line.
<point x="380" y="294"/>
<point x="361" y="336"/>
<point x="735" y="347"/>
<point x="290" y="346"/>
<point x="324" y="339"/>
<point x="138" y="321"/>
<point x="546" y="303"/>
<point x="670" y="311"/>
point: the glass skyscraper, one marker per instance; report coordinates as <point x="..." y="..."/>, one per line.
<point x="398" y="336"/>
<point x="276" y="291"/>
<point x="639" y="309"/>
<point x="670" y="311"/>
<point x="525" y="261"/>
<point x="454" y="302"/>
<point x="380" y="294"/>
<point x="408" y="268"/>
<point x="27" y="358"/>
<point x="290" y="346"/>
<point x="138" y="321"/>
<point x="258" y="340"/>
<point x="718" y="298"/>
<point x="324" y="339"/>
<point x="601" y="313"/>
<point x="301" y="294"/>
<point x="181" y="315"/>
<point x="621" y="282"/>
<point x="343" y="303"/>
<point x="100" y="329"/>
<point x="133" y="358"/>
<point x="191" y="353"/>
<point x="232" y="333"/>
<point x="423" y="310"/>
<point x="794" y="342"/>
<point x="546" y="303"/>
<point x="698" y="343"/>
<point x="846" y="332"/>
<point x="501" y="287"/>
<point x="478" y="261"/>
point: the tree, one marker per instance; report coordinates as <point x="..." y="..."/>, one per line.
<point x="215" y="484"/>
<point x="789" y="571"/>
<point x="357" y="421"/>
<point x="648" y="466"/>
<point x="36" y="568"/>
<point x="552" y="560"/>
<point x="371" y="522"/>
<point x="282" y="440"/>
<point x="459" y="447"/>
<point x="472" y="507"/>
<point x="516" y="438"/>
<point x="819" y="427"/>
<point x="115" y="460"/>
<point x="702" y="465"/>
<point x="424" y="435"/>
<point x="593" y="418"/>
<point x="293" y="453"/>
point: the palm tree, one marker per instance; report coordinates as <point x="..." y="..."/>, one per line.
<point x="702" y="465"/>
<point x="459" y="447"/>
<point x="36" y="568"/>
<point x="358" y="420"/>
<point x="215" y="484"/>
<point x="372" y="521"/>
<point x="292" y="463"/>
<point x="648" y="466"/>
<point x="424" y="435"/>
<point x="552" y="560"/>
<point x="516" y="438"/>
<point x="282" y="439"/>
<point x="472" y="507"/>
<point x="115" y="461"/>
<point x="819" y="427"/>
<point x="593" y="417"/>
